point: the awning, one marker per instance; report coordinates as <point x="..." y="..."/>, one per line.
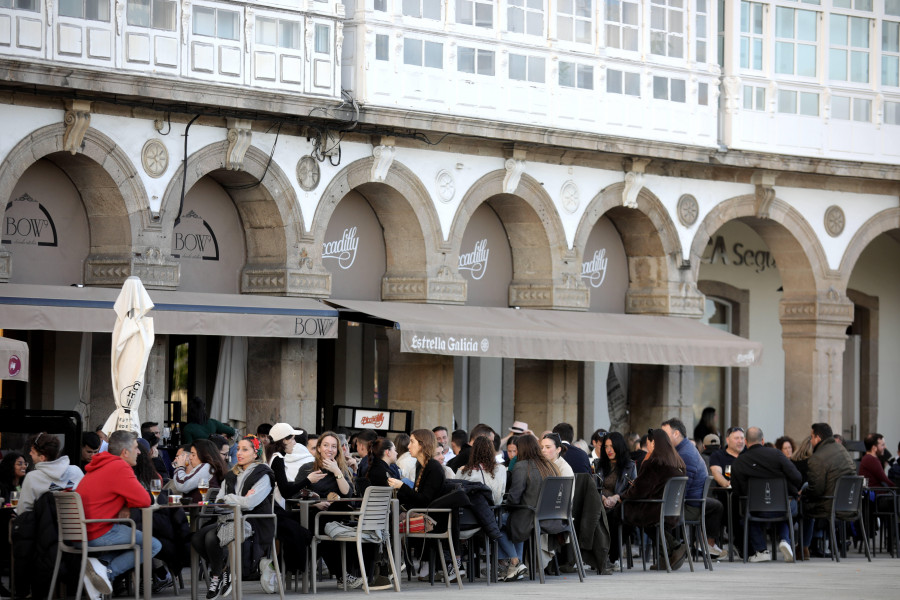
<point x="559" y="335"/>
<point x="56" y="308"/>
<point x="13" y="359"/>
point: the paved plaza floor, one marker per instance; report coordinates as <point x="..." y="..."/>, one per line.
<point x="852" y="578"/>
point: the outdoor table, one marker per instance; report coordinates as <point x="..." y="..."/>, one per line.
<point x="728" y="492"/>
<point x="302" y="506"/>
<point x="147" y="545"/>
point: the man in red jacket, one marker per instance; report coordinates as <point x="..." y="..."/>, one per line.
<point x="108" y="491"/>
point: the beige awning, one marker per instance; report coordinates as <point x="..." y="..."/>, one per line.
<point x="559" y="335"/>
<point x="56" y="308"/>
<point x="13" y="359"/>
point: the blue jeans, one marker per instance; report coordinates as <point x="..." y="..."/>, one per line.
<point x="120" y="562"/>
<point x="757" y="541"/>
<point x="506" y="547"/>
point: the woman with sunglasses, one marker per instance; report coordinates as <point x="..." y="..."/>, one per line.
<point x="250" y="485"/>
<point x="661" y="464"/>
<point x="615" y="472"/>
<point x="552" y="448"/>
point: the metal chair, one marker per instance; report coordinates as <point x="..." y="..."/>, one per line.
<point x="671" y="505"/>
<point x="693" y="525"/>
<point x="373" y="516"/>
<point x="846" y="506"/>
<point x="279" y="575"/>
<point x="469" y="529"/>
<point x="888" y="516"/>
<point x="71" y="522"/>
<point x="767" y="496"/>
<point x="444" y="534"/>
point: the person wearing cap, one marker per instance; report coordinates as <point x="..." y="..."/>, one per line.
<point x="711" y="444"/>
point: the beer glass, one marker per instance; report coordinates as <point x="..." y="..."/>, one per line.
<point x="155" y="488"/>
<point x="14" y="498"/>
<point x="203" y="487"/>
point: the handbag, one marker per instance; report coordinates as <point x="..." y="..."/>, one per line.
<point x="417" y="524"/>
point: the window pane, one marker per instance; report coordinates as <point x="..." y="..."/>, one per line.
<point x="837" y="32"/>
<point x="290" y="35"/>
<point x="787" y="102"/>
<point x="382" y="51"/>
<point x="784" y="22"/>
<point x="381" y="5"/>
<point x="515" y="20"/>
<point x="809" y="104"/>
<point x="806" y="25"/>
<point x="464" y="11"/>
<point x="757" y="55"/>
<point x="630" y="13"/>
<point x="745" y="17"/>
<point x="630" y="39"/>
<point x="585" y="77"/>
<point x="892" y="113"/>
<point x="633" y="84"/>
<point x="411" y="8"/>
<point x="323" y="39"/>
<point x="859" y="67"/>
<point x="96" y="10"/>
<point x="565" y="28"/>
<point x="760" y="98"/>
<point x="658" y="43"/>
<point x="892" y="7"/>
<point x="412" y="52"/>
<point x="536" y="69"/>
<point x="583" y="31"/>
<point x="837" y="65"/>
<point x="658" y="18"/>
<point x="70" y="8"/>
<point x="434" y="55"/>
<point x="701" y="52"/>
<point x="806" y="60"/>
<point x="745" y="52"/>
<point x="842" y="3"/>
<point x="862" y="110"/>
<point x="583" y="8"/>
<point x="676" y="21"/>
<point x="164" y="15"/>
<point x="266" y="31"/>
<point x="204" y="20"/>
<point x="227" y="25"/>
<point x="535" y="23"/>
<point x="703" y="94"/>
<point x="859" y="32"/>
<point x="567" y="74"/>
<point x="890" y="36"/>
<point x="484" y="15"/>
<point x="784" y="57"/>
<point x="758" y="19"/>
<point x="863" y="4"/>
<point x="840" y="107"/>
<point x="485" y="62"/>
<point x="678" y="90"/>
<point x="138" y="13"/>
<point x="614" y="82"/>
<point x="890" y="65"/>
<point x="660" y="88"/>
<point x="465" y="60"/>
<point x="676" y="46"/>
<point x="748" y="97"/>
<point x="432" y="9"/>
<point x="517" y="66"/>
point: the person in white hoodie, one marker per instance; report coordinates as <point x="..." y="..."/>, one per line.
<point x="52" y="472"/>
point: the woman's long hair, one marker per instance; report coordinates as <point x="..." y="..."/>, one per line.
<point x="196" y="412"/>
<point x="623" y="457"/>
<point x="8" y="468"/>
<point x="144" y="470"/>
<point x="427" y="443"/>
<point x="279" y="447"/>
<point x="803" y="451"/>
<point x="339" y="455"/>
<point x="528" y="449"/>
<point x="482" y="456"/>
<point x="664" y="452"/>
<point x="376" y="452"/>
<point x="208" y="453"/>
<point x="708" y="418"/>
<point x="401" y="442"/>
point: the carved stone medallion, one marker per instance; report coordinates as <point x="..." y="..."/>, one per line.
<point x="446" y="187"/>
<point x="834" y="220"/>
<point x="570" y="197"/>
<point x="308" y="173"/>
<point x="155" y="158"/>
<point x="688" y="209"/>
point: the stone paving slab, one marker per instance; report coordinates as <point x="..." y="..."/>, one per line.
<point x="852" y="578"/>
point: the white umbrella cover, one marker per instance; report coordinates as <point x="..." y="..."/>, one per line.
<point x="132" y="340"/>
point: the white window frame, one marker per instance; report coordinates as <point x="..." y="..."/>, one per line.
<point x="617" y="30"/>
<point x="96" y="10"/>
<point x="578" y="15"/>
<point x="422" y="9"/>
<point x="487" y="7"/>
<point x="754" y="98"/>
<point x="153" y="5"/>
<point x="680" y="83"/>
<point x="423" y="61"/>
<point x="754" y="41"/>
<point x="887" y="55"/>
<point x="279" y="32"/>
<point x="623" y="77"/>
<point x="799" y="97"/>
<point x="849" y="50"/>
<point x="478" y="54"/>
<point x="795" y="42"/>
<point x="33" y="5"/>
<point x="216" y="13"/>
<point x="535" y="68"/>
<point x="673" y="42"/>
<point x="580" y="73"/>
<point x="530" y="11"/>
<point x="856" y="108"/>
<point x="701" y="27"/>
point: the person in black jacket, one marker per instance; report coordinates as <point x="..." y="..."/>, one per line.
<point x="759" y="461"/>
<point x="615" y="473"/>
<point x="381" y="465"/>
<point x="575" y="456"/>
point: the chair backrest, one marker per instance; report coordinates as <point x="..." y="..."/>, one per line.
<point x="70" y="517"/>
<point x="768" y="495"/>
<point x="555" y="500"/>
<point x="847" y="494"/>
<point x="376" y="508"/>
<point x="673" y="497"/>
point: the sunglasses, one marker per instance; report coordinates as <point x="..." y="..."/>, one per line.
<point x="733" y="429"/>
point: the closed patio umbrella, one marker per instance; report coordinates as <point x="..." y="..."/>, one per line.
<point x="14" y="359"/>
<point x="132" y="340"/>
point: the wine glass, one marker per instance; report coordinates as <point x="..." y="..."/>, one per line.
<point x="203" y="487"/>
<point x="155" y="488"/>
<point x="14" y="498"/>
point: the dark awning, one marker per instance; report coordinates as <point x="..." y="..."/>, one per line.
<point x="559" y="335"/>
<point x="57" y="308"/>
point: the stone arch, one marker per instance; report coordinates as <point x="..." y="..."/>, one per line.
<point x="882" y="222"/>
<point x="524" y="214"/>
<point x="403" y="207"/>
<point x="269" y="212"/>
<point x="656" y="283"/>
<point x="110" y="187"/>
<point x="798" y="253"/>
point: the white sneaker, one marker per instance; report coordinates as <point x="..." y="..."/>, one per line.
<point x="787" y="553"/>
<point x="96" y="572"/>
<point x="90" y="590"/>
<point x="715" y="551"/>
<point x="761" y="556"/>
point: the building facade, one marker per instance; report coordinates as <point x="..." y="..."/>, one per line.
<point x="734" y="163"/>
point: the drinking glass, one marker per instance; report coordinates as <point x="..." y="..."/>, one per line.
<point x="203" y="487"/>
<point x="14" y="498"/>
<point x="155" y="488"/>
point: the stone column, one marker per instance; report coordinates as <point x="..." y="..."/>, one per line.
<point x="152" y="405"/>
<point x="814" y="337"/>
<point x="546" y="393"/>
<point x="422" y="383"/>
<point x="281" y="382"/>
<point x="660" y="392"/>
